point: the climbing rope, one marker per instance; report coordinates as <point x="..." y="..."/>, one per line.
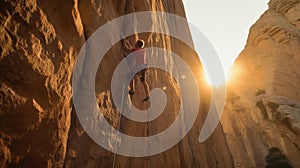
<point x="122" y="99"/>
<point x="119" y="125"/>
<point x="120" y="115"/>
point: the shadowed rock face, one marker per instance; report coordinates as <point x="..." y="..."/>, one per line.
<point x="263" y="102"/>
<point x="40" y="41"/>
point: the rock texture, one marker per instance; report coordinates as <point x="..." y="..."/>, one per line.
<point x="40" y="41"/>
<point x="38" y="50"/>
<point x="262" y="109"/>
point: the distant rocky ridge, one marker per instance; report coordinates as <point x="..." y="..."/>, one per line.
<point x="263" y="100"/>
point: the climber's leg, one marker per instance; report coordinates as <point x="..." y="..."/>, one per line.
<point x="132" y="86"/>
<point x="145" y="84"/>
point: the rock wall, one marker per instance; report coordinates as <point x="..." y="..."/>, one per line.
<point x="40" y="41"/>
<point x="38" y="50"/>
<point x="263" y="103"/>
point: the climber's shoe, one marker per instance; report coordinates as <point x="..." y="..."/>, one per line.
<point x="131" y="92"/>
<point x="146" y="99"/>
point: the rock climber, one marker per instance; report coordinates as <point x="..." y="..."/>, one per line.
<point x="139" y="62"/>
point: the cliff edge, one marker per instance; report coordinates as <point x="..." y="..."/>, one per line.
<point x="263" y="103"/>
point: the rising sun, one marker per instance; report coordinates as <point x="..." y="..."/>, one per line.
<point x="221" y="80"/>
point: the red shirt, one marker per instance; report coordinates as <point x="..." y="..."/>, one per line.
<point x="140" y="56"/>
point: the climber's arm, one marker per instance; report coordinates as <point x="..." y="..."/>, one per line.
<point x="127" y="46"/>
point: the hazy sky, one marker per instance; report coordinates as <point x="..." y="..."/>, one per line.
<point x="225" y="23"/>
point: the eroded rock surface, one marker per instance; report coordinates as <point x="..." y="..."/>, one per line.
<point x="262" y="109"/>
<point x="40" y="41"/>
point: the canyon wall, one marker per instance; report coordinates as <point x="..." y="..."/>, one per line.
<point x="263" y="102"/>
<point x="40" y="42"/>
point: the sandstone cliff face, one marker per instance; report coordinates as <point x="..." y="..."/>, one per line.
<point x="40" y="41"/>
<point x="38" y="50"/>
<point x="263" y="102"/>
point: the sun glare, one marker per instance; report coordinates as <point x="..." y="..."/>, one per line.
<point x="219" y="82"/>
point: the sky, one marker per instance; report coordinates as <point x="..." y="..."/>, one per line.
<point x="225" y="23"/>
